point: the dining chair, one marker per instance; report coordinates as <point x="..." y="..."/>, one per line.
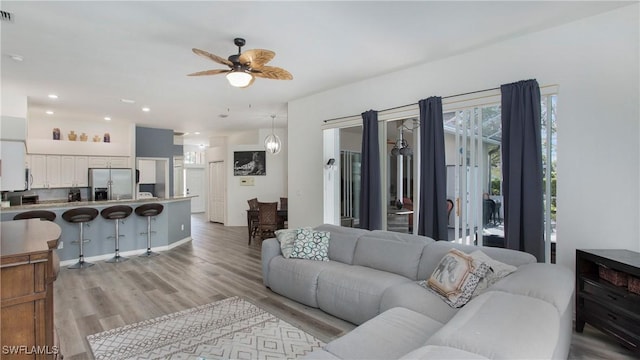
<point x="284" y="205"/>
<point x="267" y="219"/>
<point x="253" y="220"/>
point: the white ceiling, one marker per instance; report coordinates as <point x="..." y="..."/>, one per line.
<point x="94" y="53"/>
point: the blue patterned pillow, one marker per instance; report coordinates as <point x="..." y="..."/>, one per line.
<point x="286" y="237"/>
<point x="311" y="245"/>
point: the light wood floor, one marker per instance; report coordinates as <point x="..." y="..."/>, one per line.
<point x="217" y="264"/>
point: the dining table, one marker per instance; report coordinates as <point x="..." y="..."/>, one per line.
<point x="253" y="216"/>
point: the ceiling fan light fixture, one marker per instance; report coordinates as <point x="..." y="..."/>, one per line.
<point x="239" y="78"/>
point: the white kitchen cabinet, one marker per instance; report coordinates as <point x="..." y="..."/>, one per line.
<point x="46" y="171"/>
<point x="74" y="171"/>
<point x="109" y="162"/>
<point x="119" y="162"/>
<point x="147" y="170"/>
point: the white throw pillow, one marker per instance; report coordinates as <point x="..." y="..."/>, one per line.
<point x="497" y="271"/>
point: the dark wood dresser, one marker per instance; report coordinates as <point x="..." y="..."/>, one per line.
<point x="28" y="268"/>
<point x="612" y="308"/>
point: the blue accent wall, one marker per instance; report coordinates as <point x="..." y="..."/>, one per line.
<point x="152" y="142"/>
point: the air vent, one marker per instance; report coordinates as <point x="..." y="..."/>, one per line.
<point x="6" y="16"/>
<point x="176" y="133"/>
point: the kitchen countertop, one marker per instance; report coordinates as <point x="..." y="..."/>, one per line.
<point x="48" y="204"/>
<point x="25" y="237"/>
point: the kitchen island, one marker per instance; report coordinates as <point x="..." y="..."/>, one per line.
<point x="171" y="228"/>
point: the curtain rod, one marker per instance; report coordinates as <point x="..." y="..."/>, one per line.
<point x="398" y="107"/>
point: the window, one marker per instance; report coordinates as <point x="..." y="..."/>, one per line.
<point x="473" y="137"/>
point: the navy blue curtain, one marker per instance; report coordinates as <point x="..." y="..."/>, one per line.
<point x="522" y="168"/>
<point x="370" y="186"/>
<point x="432" y="220"/>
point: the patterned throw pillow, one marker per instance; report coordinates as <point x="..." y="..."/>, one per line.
<point x="497" y="270"/>
<point x="311" y="245"/>
<point x="456" y="277"/>
<point x="286" y="238"/>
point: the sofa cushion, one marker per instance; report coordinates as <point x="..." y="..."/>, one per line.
<point x="549" y="282"/>
<point x="456" y="277"/>
<point x="500" y="325"/>
<point x="441" y="353"/>
<point x="393" y="256"/>
<point x="311" y="245"/>
<point x="354" y="293"/>
<point x="415" y="297"/>
<point x="297" y="279"/>
<point x="433" y="252"/>
<point x="343" y="241"/>
<point x="408" y="238"/>
<point x="389" y="335"/>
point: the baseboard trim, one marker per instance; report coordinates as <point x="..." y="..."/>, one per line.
<point x="129" y="253"/>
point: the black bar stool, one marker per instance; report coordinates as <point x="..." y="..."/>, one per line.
<point x="36" y="214"/>
<point x="149" y="210"/>
<point x="117" y="213"/>
<point x="80" y="216"/>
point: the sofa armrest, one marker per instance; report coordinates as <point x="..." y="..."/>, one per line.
<point x="270" y="249"/>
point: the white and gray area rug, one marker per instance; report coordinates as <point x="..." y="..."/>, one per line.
<point x="232" y="328"/>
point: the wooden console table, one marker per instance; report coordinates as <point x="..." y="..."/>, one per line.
<point x="613" y="309"/>
<point x="28" y="268"/>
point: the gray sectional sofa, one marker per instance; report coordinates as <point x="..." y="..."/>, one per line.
<point x="372" y="279"/>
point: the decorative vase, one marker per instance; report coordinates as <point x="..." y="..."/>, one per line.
<point x="72" y="136"/>
<point x="83" y="137"/>
<point x="107" y="137"/>
<point x="97" y="138"/>
<point x="56" y="133"/>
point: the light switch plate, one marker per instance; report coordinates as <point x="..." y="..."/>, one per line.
<point x="247" y="181"/>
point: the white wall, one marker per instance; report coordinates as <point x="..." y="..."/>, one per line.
<point x="268" y="188"/>
<point x="595" y="63"/>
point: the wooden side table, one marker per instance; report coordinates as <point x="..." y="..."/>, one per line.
<point x="609" y="307"/>
<point x="28" y="268"/>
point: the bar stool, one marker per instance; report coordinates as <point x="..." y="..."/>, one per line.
<point x="80" y="216"/>
<point x="36" y="214"/>
<point x="117" y="213"/>
<point x="149" y="210"/>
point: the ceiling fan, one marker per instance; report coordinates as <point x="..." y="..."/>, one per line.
<point x="244" y="67"/>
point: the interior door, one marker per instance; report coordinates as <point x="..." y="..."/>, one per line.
<point x="217" y="191"/>
<point x="195" y="187"/>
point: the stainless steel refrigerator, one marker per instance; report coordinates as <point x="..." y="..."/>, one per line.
<point x="111" y="184"/>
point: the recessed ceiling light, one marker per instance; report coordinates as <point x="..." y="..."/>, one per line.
<point x="146" y="109"/>
<point x="53" y="96"/>
<point x="16" y="57"/>
<point x="128" y="101"/>
<point x="197" y="133"/>
<point x="107" y="118"/>
<point x="49" y="112"/>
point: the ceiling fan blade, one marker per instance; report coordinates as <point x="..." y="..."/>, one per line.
<point x="256" y="58"/>
<point x="209" y="72"/>
<point x="272" y="72"/>
<point x="213" y="57"/>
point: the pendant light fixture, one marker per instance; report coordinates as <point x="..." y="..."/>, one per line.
<point x="272" y="142"/>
